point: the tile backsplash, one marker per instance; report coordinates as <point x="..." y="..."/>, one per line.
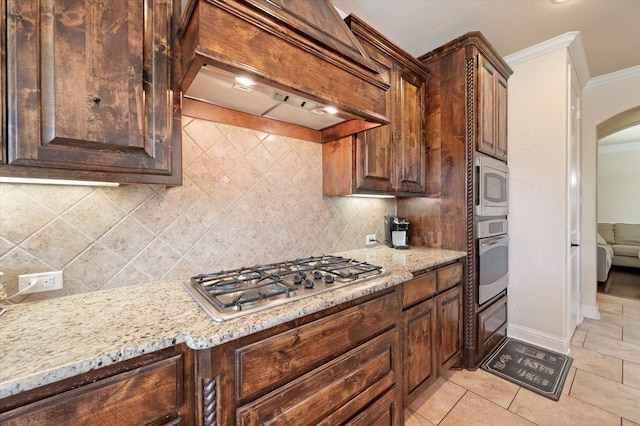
<point x="247" y="197"/>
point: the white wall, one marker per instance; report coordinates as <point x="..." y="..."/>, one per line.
<point x="619" y="186"/>
<point x="602" y="98"/>
<point x="538" y="198"/>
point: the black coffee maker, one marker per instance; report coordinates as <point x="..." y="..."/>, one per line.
<point x="397" y="232"/>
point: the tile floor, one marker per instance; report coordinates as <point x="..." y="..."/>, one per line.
<point x="602" y="388"/>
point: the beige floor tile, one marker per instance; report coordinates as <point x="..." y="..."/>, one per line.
<point x="599" y="390"/>
<point x="597" y="363"/>
<point x="624" y="301"/>
<point x="487" y="385"/>
<point x="631" y="374"/>
<point x="567" y="411"/>
<point x="578" y="338"/>
<point x="631" y="334"/>
<point x="606" y="394"/>
<point x="610" y="308"/>
<point x="619" y="319"/>
<point x="411" y="418"/>
<point x="473" y="410"/>
<point x="631" y="309"/>
<point x="568" y="381"/>
<point x="438" y="400"/>
<point x="612" y="347"/>
<point x="601" y="328"/>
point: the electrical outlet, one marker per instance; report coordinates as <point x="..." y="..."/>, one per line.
<point x="44" y="281"/>
<point x="370" y="239"/>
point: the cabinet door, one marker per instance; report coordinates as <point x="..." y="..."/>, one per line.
<point x="374" y="148"/>
<point x="492" y="110"/>
<point x="419" y="326"/>
<point x="501" y="118"/>
<point x="92" y="89"/>
<point x="486" y="107"/>
<point x="410" y="132"/>
<point x="450" y="337"/>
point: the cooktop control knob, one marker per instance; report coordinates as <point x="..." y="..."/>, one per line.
<point x="317" y="275"/>
<point x="328" y="279"/>
<point x="308" y="283"/>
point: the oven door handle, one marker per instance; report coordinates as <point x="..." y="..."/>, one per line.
<point x="493" y="241"/>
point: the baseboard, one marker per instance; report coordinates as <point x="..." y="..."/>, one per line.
<point x="589" y="311"/>
<point x="535" y="337"/>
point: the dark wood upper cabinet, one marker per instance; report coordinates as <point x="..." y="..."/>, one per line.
<point x="374" y="163"/>
<point x="91" y="91"/>
<point x="492" y="110"/>
<point x="389" y="159"/>
<point x="410" y="132"/>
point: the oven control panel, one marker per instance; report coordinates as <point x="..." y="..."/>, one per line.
<point x="491" y="228"/>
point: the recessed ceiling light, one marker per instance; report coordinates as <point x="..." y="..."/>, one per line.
<point x="560" y="1"/>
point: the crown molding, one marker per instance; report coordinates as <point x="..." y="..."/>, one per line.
<point x="633" y="72"/>
<point x="571" y="41"/>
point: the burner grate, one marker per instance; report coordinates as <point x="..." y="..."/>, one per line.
<point x="248" y="289"/>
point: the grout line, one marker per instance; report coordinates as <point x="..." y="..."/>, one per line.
<point x="456" y="403"/>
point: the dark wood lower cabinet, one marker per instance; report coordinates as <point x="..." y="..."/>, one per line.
<point x="450" y="337"/>
<point x="147" y="390"/>
<point x="419" y="324"/>
<point x="330" y="395"/>
<point x="432" y="324"/>
<point x="339" y="366"/>
<point x="491" y="328"/>
<point x="352" y="364"/>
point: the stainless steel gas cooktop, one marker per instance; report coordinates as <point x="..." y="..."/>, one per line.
<point x="229" y="294"/>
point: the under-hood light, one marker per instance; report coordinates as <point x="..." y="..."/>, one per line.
<point x="331" y="110"/>
<point x="244" y="84"/>
<point x="369" y="196"/>
<point x="242" y="88"/>
<point x="245" y="81"/>
<point x="56" y="182"/>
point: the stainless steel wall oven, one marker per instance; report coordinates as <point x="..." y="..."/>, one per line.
<point x="493" y="253"/>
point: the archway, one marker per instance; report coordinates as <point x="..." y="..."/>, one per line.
<point x="618" y="201"/>
<point x="602" y="99"/>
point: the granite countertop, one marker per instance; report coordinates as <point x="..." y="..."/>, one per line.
<point x="43" y="342"/>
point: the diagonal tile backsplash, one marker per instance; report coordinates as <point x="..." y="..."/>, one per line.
<point x="248" y="197"/>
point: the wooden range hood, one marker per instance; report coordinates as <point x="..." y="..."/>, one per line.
<point x="301" y="56"/>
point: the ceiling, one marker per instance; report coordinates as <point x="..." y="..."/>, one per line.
<point x="630" y="135"/>
<point x="610" y="29"/>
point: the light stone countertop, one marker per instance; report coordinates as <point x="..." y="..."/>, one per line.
<point x="44" y="342"/>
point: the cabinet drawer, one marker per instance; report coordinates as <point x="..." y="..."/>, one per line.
<point x="281" y="358"/>
<point x="383" y="412"/>
<point x="140" y="396"/>
<point x="418" y="289"/>
<point x="492" y="324"/>
<point x="449" y="276"/>
<point x="330" y="394"/>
